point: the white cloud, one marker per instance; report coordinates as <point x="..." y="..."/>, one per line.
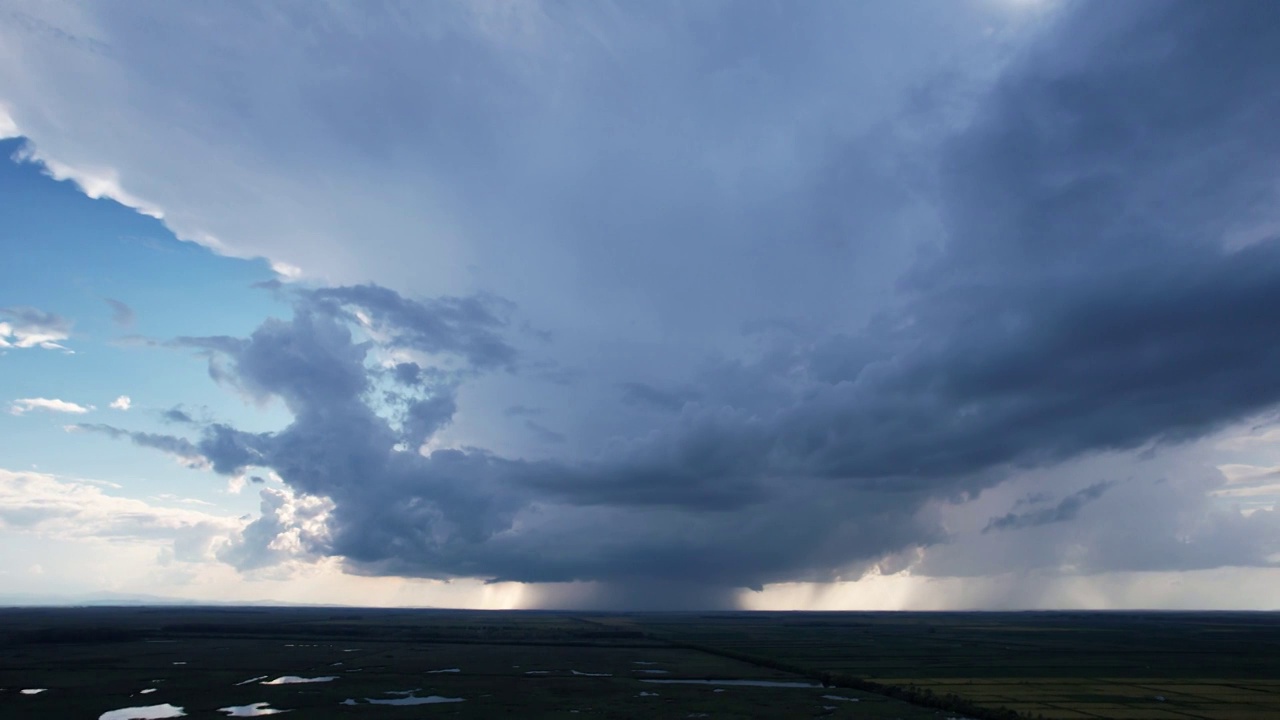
<point x="285" y="537"/>
<point x="51" y="506"/>
<point x="121" y="403"/>
<point x="96" y="182"/>
<point x="286" y="271"/>
<point x="8" y="128"/>
<point x="1252" y="487"/>
<point x="1236" y="473"/>
<point x="27" y="327"/>
<point x="24" y="405"/>
<point x="1249" y="440"/>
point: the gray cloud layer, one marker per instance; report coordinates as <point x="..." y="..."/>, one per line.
<point x="1107" y="281"/>
<point x="1065" y="510"/>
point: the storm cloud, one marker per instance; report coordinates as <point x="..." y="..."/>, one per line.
<point x="1064" y="510"/>
<point x="181" y="448"/>
<point x="1106" y="279"/>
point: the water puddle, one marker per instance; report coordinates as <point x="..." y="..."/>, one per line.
<point x="33" y="691"/>
<point x="252" y="680"/>
<point x="839" y="697"/>
<point x="739" y="683"/>
<point x="147" y="712"/>
<point x="647" y="694"/>
<point x="582" y="674"/>
<point x="537" y="672"/>
<point x="643" y="662"/>
<point x="295" y="680"/>
<point x="179" y="662"/>
<point x="147" y="691"/>
<point x="254" y="710"/>
<point x="654" y="672"/>
<point x="410" y="700"/>
<point x="446" y="670"/>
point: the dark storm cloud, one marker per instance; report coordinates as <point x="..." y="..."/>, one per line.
<point x="1066" y="509"/>
<point x="1033" y="498"/>
<point x="469" y="327"/>
<point x="1093" y="294"/>
<point x="180" y="448"/>
<point x="522" y="411"/>
<point x="407" y="373"/>
<point x="424" y="418"/>
<point x="1154" y="523"/>
<point x="1086" y="298"/>
<point x="544" y="433"/>
<point x="638" y="393"/>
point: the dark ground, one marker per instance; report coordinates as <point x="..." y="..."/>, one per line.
<point x="1058" y="665"/>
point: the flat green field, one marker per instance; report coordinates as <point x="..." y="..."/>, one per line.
<point x="89" y="661"/>
<point x="1055" y="665"/>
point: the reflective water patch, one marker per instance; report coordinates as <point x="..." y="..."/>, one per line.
<point x="254" y="710"/>
<point x="147" y="712"/>
<point x="410" y="700"/>
<point x="739" y="683"/>
<point x="295" y="680"/>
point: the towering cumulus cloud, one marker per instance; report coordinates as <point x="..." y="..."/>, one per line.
<point x="1107" y="279"/>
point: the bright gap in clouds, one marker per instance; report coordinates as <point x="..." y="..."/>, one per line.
<point x="920" y="305"/>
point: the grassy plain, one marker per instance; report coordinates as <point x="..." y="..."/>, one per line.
<point x="511" y="665"/>
<point x="1154" y="665"/>
<point x="562" y="665"/>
